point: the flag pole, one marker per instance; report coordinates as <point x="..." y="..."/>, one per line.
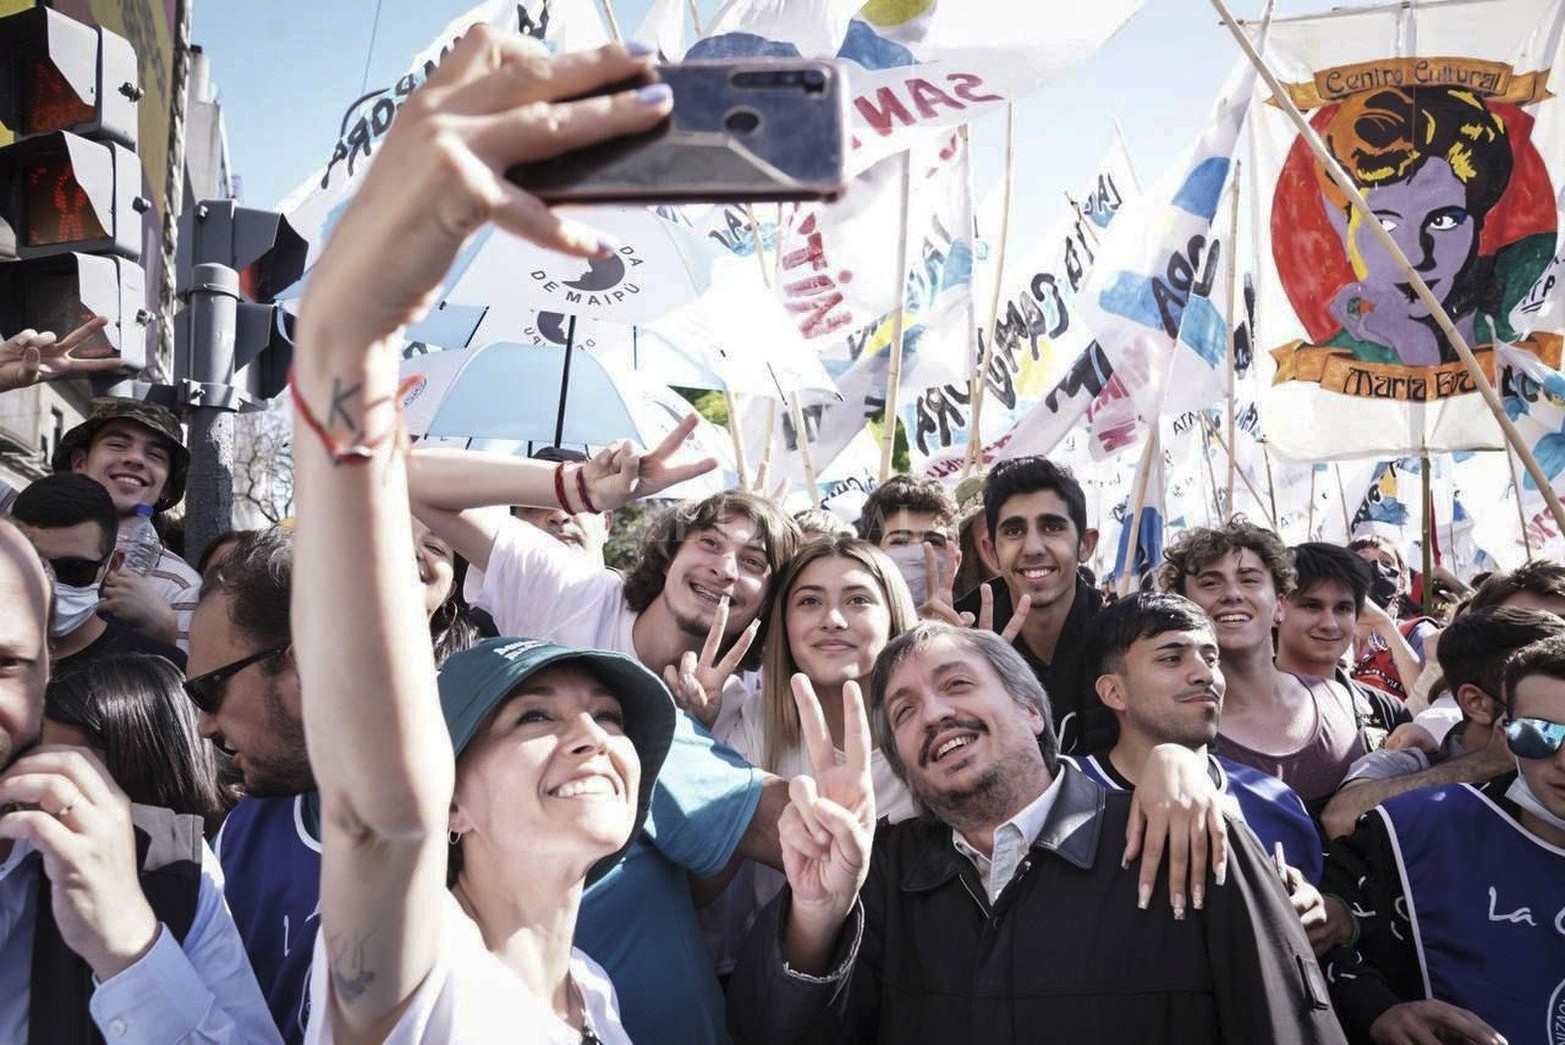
<point x="1342" y="496"/>
<point x="1127" y="580"/>
<point x="1211" y="474"/>
<point x="1233" y="336"/>
<point x="607" y="6"/>
<point x="898" y="328"/>
<point x="1271" y="487"/>
<point x="975" y="438"/>
<point x="1521" y="509"/>
<point x="1250" y="485"/>
<point x="695" y="17"/>
<point x="1429" y="531"/>
<point x="1372" y="223"/>
<point x="1309" y="525"/>
<point x="795" y="409"/>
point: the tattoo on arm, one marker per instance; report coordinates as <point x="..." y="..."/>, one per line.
<point x="339" y="399"/>
<point x="348" y="973"/>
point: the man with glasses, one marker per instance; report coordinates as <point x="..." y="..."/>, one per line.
<point x="1457" y="890"/>
<point x="243" y="680"/>
<point x="72" y="522"/>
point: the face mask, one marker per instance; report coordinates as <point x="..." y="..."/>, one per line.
<point x="72" y="607"/>
<point x="1384" y="587"/>
<point x="1522" y="795"/>
<point x="909" y="559"/>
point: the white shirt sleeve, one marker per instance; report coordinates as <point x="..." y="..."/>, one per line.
<point x="204" y="991"/>
<point x="534" y="583"/>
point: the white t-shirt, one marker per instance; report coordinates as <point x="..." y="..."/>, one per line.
<point x="537" y="588"/>
<point x="471" y="997"/>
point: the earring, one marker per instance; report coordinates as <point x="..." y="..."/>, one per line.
<point x="454" y="838"/>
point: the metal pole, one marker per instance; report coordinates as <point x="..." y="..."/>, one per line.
<point x="209" y="488"/>
<point x="565" y="378"/>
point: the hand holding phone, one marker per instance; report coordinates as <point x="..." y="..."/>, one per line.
<point x="741" y="131"/>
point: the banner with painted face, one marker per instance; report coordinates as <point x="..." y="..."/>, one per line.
<point x="920" y="65"/>
<point x="1443" y="116"/>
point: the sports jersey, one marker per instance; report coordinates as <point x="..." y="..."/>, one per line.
<point x="1455" y="901"/>
<point x="1266" y="804"/>
<point x="272" y="862"/>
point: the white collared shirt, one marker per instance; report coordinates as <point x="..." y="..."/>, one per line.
<point x="1012" y="840"/>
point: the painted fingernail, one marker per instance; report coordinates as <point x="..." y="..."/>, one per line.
<point x="654" y="94"/>
<point x="1197" y="898"/>
<point x="1179" y="907"/>
<point x="637" y="49"/>
<point x="1143" y="896"/>
<point x="1222" y="874"/>
<point x="1124" y="863"/>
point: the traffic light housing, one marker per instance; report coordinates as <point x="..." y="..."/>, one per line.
<point x="57" y="74"/>
<point x="267" y="256"/>
<point x="71" y="210"/>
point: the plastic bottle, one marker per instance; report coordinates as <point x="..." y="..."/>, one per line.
<point x="139" y="541"/>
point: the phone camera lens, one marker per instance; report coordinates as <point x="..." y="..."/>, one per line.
<point x="742" y="121"/>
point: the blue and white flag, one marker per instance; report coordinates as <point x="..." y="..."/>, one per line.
<point x="1157" y="297"/>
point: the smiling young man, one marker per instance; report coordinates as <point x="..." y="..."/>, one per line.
<point x="1155" y="665"/>
<point x="698" y="560"/>
<point x="1457" y="890"/>
<point x="1303" y="729"/>
<point x="1036" y="536"/>
<point x="135" y="451"/>
<point x="1321" y="612"/>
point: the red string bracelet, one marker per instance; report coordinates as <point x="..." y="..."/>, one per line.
<point x="581" y="488"/>
<point x="361" y="452"/>
<point x="559" y="488"/>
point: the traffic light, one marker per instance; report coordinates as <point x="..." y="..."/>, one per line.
<point x="267" y="256"/>
<point x="71" y="210"/>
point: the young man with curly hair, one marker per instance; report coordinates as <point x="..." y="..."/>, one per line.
<point x="1303" y="729"/>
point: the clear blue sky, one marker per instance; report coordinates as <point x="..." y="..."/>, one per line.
<point x="286" y="69"/>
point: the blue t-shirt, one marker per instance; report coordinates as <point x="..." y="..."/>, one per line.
<point x="272" y="869"/>
<point x="639" y="921"/>
<point x="1269" y="806"/>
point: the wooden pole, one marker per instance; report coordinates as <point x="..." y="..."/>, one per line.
<point x="608" y="16"/>
<point x="731" y="401"/>
<point x="695" y="17"/>
<point x="1342" y="496"/>
<point x="1271" y="487"/>
<point x="1249" y="485"/>
<point x="1211" y="476"/>
<point x="1128" y="581"/>
<point x="1416" y="281"/>
<point x="1233" y="339"/>
<point x="975" y="436"/>
<point x="1309" y="525"/>
<point x="1521" y="509"/>
<point x="898" y="328"/>
<point x="802" y="440"/>
<point x="1429" y="532"/>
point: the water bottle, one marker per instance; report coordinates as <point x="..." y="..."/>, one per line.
<point x="140" y="544"/>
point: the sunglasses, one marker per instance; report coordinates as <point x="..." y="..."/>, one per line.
<point x="206" y="691"/>
<point x="78" y="573"/>
<point x="1534" y="737"/>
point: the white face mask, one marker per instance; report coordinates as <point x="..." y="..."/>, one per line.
<point x="72" y="608"/>
<point x="910" y="563"/>
<point x="1520" y="792"/>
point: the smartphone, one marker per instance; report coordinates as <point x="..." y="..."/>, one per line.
<point x="753" y="130"/>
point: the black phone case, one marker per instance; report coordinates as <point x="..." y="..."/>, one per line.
<point x="795" y="150"/>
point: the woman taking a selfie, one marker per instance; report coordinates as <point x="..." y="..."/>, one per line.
<point x="529" y="769"/>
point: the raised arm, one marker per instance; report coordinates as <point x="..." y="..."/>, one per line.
<point x="450" y="486"/>
<point x="382" y="758"/>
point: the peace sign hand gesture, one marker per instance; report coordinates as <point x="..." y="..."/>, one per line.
<point x="29" y="357"/>
<point x="617" y="475"/>
<point x="940" y="578"/>
<point x="697" y="685"/>
<point x="828" y="828"/>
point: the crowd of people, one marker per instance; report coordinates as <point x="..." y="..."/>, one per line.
<point x="417" y="766"/>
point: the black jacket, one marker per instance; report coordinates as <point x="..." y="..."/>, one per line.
<point x="1063" y="955"/>
<point x="1081" y="721"/>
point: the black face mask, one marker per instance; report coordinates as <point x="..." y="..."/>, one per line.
<point x="1384" y="587"/>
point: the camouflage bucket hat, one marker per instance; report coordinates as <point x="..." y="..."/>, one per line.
<point x="158" y="419"/>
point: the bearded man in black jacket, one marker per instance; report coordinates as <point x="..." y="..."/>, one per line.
<point x="1008" y="915"/>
